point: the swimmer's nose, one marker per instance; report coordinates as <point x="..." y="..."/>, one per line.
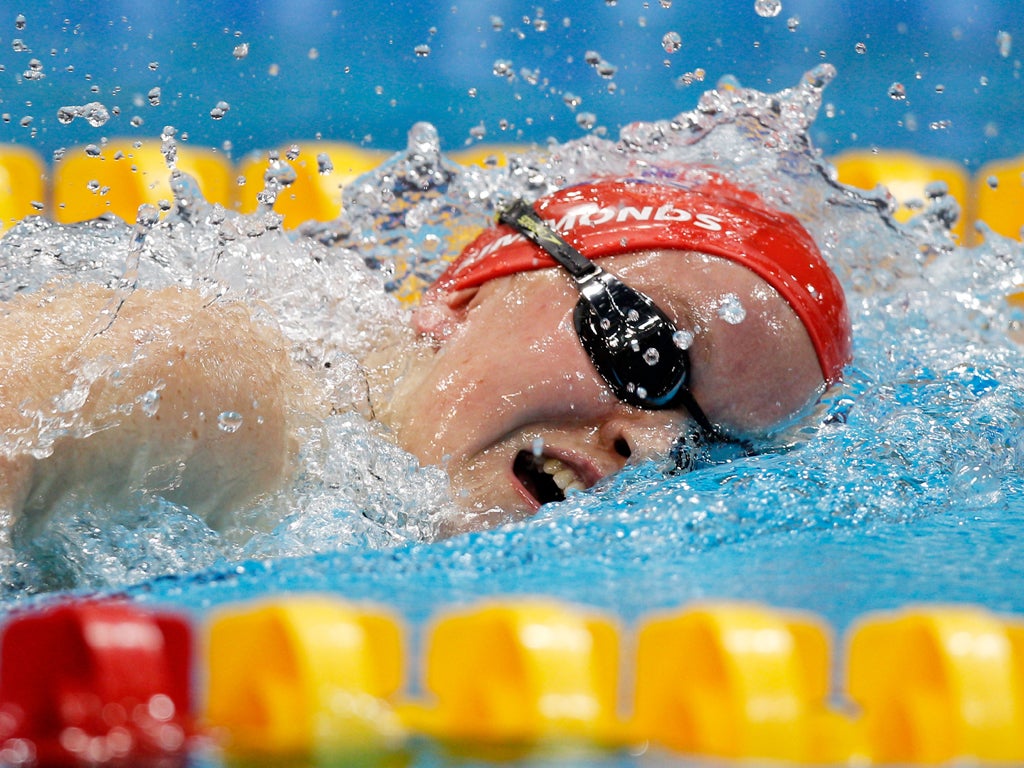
<point x="633" y="434"/>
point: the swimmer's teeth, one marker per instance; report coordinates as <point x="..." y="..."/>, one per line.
<point x="565" y="477"/>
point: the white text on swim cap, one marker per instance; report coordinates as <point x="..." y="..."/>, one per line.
<point x="593" y="215"/>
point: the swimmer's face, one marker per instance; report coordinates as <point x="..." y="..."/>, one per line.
<point x="510" y="379"/>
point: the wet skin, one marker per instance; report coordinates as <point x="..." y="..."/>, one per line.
<point x="508" y="376"/>
<point x="152" y="380"/>
<point x="494" y="382"/>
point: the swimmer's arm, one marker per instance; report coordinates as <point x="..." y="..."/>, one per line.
<point x="174" y="396"/>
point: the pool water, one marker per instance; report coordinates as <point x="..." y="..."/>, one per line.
<point x="908" y="488"/>
<point x="907" y="491"/>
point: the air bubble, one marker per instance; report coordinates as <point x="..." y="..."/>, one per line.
<point x="154" y="96"/>
<point x="897" y="92"/>
<point x="220" y="110"/>
<point x="671" y="42"/>
<point x="422" y="50"/>
<point x="324" y="166"/>
<point x="651" y="356"/>
<point x="538" y="447"/>
<point x="793" y="23"/>
<point x="241" y="51"/>
<point x="229" y="421"/>
<point x="19" y="22"/>
<point x="861" y="48"/>
<point x="586" y="120"/>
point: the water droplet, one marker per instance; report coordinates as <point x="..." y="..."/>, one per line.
<point x="324" y="166"/>
<point x="641" y="392"/>
<point x="571" y="100"/>
<point x="154" y="96"/>
<point x="682" y="339"/>
<point x="861" y="48"/>
<point x="768" y="8"/>
<point x="422" y="50"/>
<point x="992" y="182"/>
<point x="497" y="24"/>
<point x="241" y="51"/>
<point x="34" y="71"/>
<point x="793" y="23"/>
<point x="651" y="356"/>
<point x="229" y="421"/>
<point x="538" y="447"/>
<point x="150" y="402"/>
<point x="19" y="22"/>
<point x="632" y="316"/>
<point x="1004" y="40"/>
<point x="94" y="113"/>
<point x="731" y="309"/>
<point x="671" y="42"/>
<point x="220" y="110"/>
<point x="503" y="68"/>
<point x="593" y="58"/>
<point x="586" y="120"/>
<point x="605" y="69"/>
<point x="605" y="323"/>
<point x="897" y="92"/>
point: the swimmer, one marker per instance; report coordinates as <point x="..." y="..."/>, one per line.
<point x="586" y="331"/>
<point x="520" y="397"/>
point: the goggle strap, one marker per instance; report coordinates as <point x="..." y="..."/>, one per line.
<point x="522" y="218"/>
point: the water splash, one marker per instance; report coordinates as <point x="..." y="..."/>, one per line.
<point x="930" y="418"/>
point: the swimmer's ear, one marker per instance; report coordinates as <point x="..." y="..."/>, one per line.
<point x="438" y="316"/>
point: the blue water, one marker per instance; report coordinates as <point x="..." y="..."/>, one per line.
<point x="911" y="493"/>
<point x="351" y="71"/>
<point x="908" y="491"/>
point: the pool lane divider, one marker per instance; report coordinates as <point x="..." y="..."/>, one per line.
<point x="120" y="174"/>
<point x="313" y="677"/>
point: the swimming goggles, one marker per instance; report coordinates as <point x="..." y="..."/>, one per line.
<point x="632" y="343"/>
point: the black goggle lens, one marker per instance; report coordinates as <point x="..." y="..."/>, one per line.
<point x="631" y="342"/>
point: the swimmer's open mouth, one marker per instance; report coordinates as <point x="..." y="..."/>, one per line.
<point x="544" y="478"/>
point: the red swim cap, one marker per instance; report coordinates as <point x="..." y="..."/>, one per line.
<point x="694" y="211"/>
